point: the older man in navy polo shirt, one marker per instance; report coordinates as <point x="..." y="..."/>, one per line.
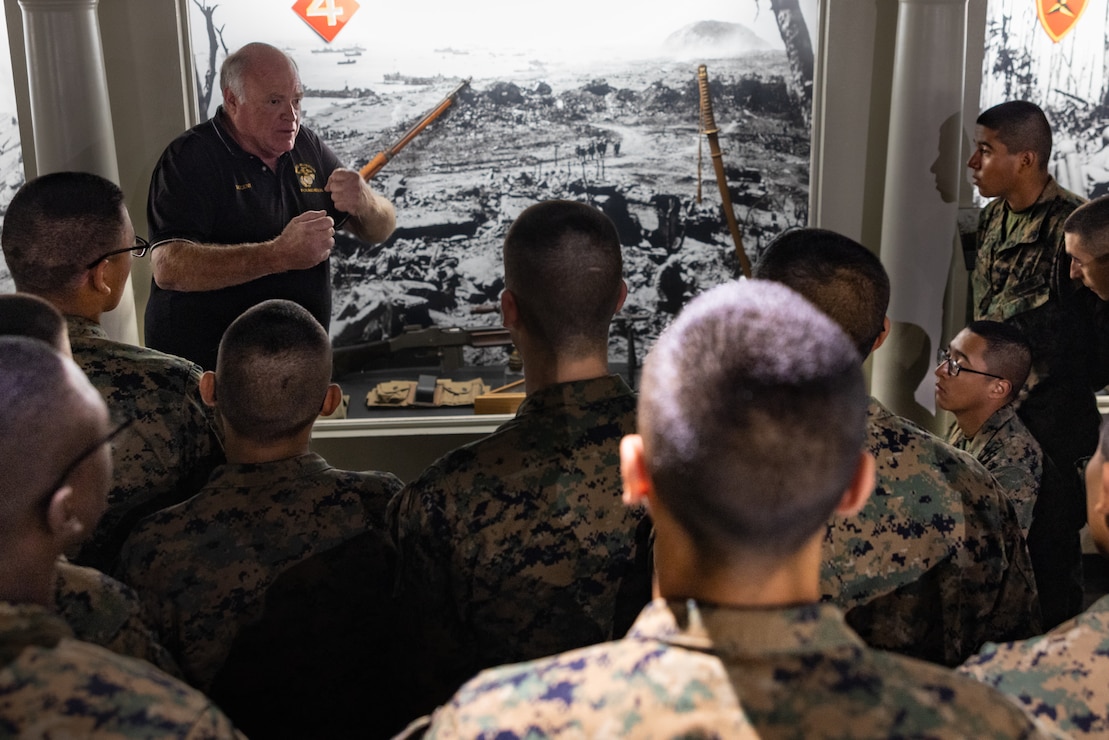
<point x="249" y="202"/>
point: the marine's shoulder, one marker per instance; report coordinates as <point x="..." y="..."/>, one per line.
<point x="85" y="689"/>
<point x="105" y="356"/>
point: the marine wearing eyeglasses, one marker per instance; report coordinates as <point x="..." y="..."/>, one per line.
<point x="978" y="377"/>
<point x="935" y="562"/>
<point x="68" y="238"/>
<point x="54" y="439"/>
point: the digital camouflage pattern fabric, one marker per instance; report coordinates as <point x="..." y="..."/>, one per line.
<point x="934" y="564"/>
<point x="202" y="568"/>
<point x="1061" y="678"/>
<point x="166" y="455"/>
<point x="1022" y="277"/>
<point x="325" y="643"/>
<point x="1017" y="267"/>
<point x="101" y="610"/>
<point x="518" y="545"/>
<point x="1011" y="454"/>
<point x="797" y="672"/>
<point x="54" y="686"/>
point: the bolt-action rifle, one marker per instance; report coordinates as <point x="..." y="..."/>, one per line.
<point x="444" y="343"/>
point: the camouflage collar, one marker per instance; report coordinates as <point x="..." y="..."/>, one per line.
<point x="998" y="421"/>
<point x="576" y="394"/>
<point x="25" y="625"/>
<point x="275" y="473"/>
<point x="727" y="630"/>
<point x="83" y="328"/>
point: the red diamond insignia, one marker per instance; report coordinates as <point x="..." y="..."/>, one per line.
<point x="327" y="17"/>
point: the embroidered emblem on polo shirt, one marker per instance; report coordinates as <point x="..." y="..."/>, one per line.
<point x="307" y="175"/>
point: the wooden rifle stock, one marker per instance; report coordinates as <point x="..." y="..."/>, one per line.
<point x="382" y="158"/>
<point x="708" y="127"/>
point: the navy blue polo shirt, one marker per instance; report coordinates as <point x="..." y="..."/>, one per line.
<point x="207" y="189"/>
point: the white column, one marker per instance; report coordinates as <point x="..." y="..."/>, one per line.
<point x="70" y="109"/>
<point x="919" y="212"/>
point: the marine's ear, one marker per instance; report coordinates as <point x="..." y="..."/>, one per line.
<point x="98" y="280"/>
<point x="331" y="399"/>
<point x="1000" y="388"/>
<point x="633" y="471"/>
<point x="861" y="486"/>
<point x="510" y="311"/>
<point x="60" y="519"/>
<point x="1028" y="159"/>
<point x="883" y="336"/>
<point x="208" y="388"/>
<point x="623" y="294"/>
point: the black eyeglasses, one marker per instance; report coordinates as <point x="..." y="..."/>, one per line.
<point x="138" y="250"/>
<point x="68" y="470"/>
<point x="943" y="357"/>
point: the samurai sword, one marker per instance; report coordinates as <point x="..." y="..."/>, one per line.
<point x="708" y="127"/>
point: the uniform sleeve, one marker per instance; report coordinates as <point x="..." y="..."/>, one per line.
<point x="445" y="654"/>
<point x="1007" y="607"/>
<point x="103" y="611"/>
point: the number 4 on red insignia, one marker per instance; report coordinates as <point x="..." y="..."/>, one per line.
<point x="326" y="17"/>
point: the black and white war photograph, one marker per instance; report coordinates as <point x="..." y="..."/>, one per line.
<point x="594" y="102"/>
<point x="1062" y="66"/>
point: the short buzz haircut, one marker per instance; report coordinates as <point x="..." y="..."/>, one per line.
<point x="272" y="371"/>
<point x="26" y="315"/>
<point x="1022" y="127"/>
<point x="1007" y="354"/>
<point x="563" y="263"/>
<point x="238" y="62"/>
<point x="55" y="225"/>
<point x="34" y="397"/>
<point x="837" y="274"/>
<point x="1090" y="223"/>
<point x="753" y="414"/>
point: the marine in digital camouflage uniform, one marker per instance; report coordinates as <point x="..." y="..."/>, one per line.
<point x="54" y="434"/>
<point x="68" y="238"/>
<point x="105" y="612"/>
<point x="1061" y="678"/>
<point x="1022" y="276"/>
<point x="167" y="455"/>
<point x="516" y="546"/>
<point x="202" y="567"/>
<point x="689" y="669"/>
<point x="737" y="642"/>
<point x="321" y="659"/>
<point x="52" y="685"/>
<point x="935" y="564"/>
<point x="1011" y="454"/>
